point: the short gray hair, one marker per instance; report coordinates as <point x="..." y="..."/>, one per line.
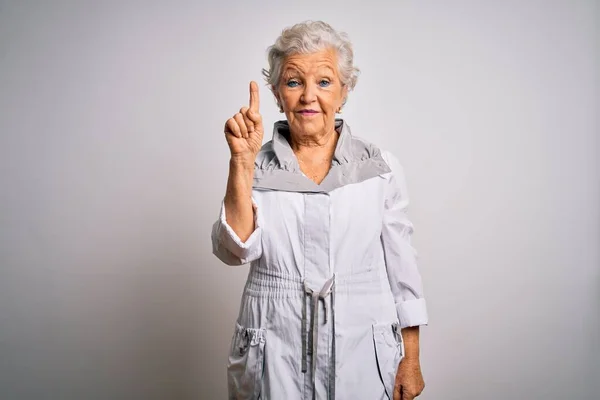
<point x="311" y="37"/>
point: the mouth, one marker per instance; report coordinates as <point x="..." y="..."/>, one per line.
<point x="307" y="112"/>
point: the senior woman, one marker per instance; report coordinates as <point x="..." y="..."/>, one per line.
<point x="333" y="301"/>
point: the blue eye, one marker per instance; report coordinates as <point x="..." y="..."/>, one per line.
<point x="292" y="83"/>
<point x="324" y="83"/>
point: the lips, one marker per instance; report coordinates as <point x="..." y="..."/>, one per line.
<point x="308" y="112"/>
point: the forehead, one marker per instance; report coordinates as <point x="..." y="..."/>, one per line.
<point x="306" y="63"/>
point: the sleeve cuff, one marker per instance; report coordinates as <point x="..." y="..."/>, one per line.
<point x="247" y="250"/>
<point x="412" y="313"/>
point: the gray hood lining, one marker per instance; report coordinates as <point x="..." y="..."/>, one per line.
<point x="355" y="160"/>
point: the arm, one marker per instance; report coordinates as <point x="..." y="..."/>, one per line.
<point x="236" y="236"/>
<point x="410" y="337"/>
<point x="400" y="256"/>
<point x="409" y="379"/>
<point x="405" y="281"/>
<point x="238" y="198"/>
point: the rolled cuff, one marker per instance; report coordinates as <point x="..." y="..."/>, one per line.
<point x="245" y="251"/>
<point x="412" y="313"/>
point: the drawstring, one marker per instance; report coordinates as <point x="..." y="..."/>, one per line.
<point x="325" y="291"/>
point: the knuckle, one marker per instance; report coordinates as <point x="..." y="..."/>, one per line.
<point x="254" y="115"/>
<point x="240" y="119"/>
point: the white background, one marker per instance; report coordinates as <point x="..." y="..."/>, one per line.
<point x="113" y="165"/>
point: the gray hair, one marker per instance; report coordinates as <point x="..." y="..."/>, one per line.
<point x="310" y="37"/>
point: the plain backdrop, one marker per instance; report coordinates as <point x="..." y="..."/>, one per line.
<point x="113" y="165"/>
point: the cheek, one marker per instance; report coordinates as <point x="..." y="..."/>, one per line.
<point x="288" y="97"/>
<point x="328" y="104"/>
<point x="332" y="99"/>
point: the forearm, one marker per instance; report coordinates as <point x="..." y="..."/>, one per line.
<point x="410" y="336"/>
<point x="238" y="198"/>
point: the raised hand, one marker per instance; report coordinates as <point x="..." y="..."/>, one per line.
<point x="244" y="131"/>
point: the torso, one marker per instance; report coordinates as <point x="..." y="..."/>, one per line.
<point x="322" y="225"/>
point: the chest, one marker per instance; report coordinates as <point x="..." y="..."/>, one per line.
<point x="342" y="217"/>
<point x="315" y="173"/>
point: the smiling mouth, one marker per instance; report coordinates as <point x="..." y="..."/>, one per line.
<point x="308" y="112"/>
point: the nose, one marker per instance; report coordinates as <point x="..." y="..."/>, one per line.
<point x="309" y="94"/>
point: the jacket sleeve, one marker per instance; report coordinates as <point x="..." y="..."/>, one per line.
<point x="227" y="245"/>
<point x="400" y="256"/>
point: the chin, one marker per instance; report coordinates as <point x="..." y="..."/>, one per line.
<point x="309" y="127"/>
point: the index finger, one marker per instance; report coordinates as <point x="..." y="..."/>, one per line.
<point x="254" y="97"/>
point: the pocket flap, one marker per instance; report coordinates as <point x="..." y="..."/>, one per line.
<point x="389" y="350"/>
<point x="246" y="362"/>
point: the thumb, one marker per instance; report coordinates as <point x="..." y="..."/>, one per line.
<point x="398" y="392"/>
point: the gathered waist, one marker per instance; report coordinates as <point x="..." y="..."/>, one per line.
<point x="265" y="283"/>
<point x="318" y="297"/>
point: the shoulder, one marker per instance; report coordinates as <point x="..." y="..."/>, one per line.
<point x="396" y="178"/>
<point x="359" y="149"/>
<point x="392" y="162"/>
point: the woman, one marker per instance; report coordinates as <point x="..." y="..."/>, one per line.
<point x="334" y="301"/>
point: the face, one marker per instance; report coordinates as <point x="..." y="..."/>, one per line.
<point x="310" y="92"/>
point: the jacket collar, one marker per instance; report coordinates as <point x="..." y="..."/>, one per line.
<point x="354" y="160"/>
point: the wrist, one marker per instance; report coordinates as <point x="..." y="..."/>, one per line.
<point x="242" y="162"/>
<point x="241" y="176"/>
<point x="413" y="358"/>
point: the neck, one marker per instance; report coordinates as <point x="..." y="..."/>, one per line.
<point x="314" y="147"/>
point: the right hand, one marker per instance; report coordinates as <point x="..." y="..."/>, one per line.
<point x="244" y="131"/>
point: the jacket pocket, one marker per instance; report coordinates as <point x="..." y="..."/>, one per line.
<point x="246" y="363"/>
<point x="389" y="351"/>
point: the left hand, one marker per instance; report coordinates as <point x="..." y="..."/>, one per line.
<point x="409" y="380"/>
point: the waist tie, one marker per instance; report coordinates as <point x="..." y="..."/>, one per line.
<point x="315" y="296"/>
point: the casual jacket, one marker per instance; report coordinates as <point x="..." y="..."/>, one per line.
<point x="333" y="276"/>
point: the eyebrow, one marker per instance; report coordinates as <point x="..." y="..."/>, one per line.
<point x="290" y="70"/>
